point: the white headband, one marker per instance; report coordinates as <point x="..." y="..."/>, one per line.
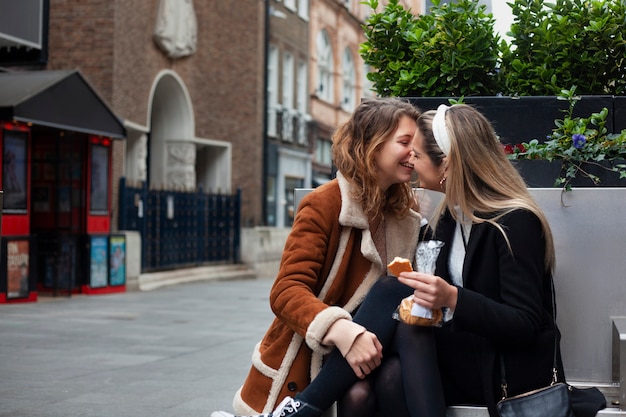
<point x="439" y="129"/>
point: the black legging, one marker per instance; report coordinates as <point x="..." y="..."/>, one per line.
<point x="378" y="395"/>
<point x="415" y="347"/>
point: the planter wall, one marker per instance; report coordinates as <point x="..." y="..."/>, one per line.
<point x="520" y="119"/>
<point x="541" y="174"/>
<point x="619" y="114"/>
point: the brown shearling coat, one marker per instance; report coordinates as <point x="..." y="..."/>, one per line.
<point x="329" y="264"/>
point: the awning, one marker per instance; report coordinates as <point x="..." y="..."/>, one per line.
<point x="59" y="99"/>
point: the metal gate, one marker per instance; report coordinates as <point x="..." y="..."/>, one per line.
<point x="182" y="229"/>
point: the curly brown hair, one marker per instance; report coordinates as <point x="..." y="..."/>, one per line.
<point x="354" y="148"/>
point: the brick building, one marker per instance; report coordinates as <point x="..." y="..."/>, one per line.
<point x="185" y="80"/>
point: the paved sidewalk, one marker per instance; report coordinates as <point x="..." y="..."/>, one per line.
<point x="177" y="351"/>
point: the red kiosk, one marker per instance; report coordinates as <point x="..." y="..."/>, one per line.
<point x="16" y="250"/>
<point x="106" y="253"/>
<point x="56" y="136"/>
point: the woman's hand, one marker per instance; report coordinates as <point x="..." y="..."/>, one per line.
<point x="365" y="354"/>
<point x="360" y="348"/>
<point x="431" y="291"/>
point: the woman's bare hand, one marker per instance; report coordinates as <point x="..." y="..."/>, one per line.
<point x="365" y="354"/>
<point x="431" y="291"/>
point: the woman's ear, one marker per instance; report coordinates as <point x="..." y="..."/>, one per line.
<point x="443" y="168"/>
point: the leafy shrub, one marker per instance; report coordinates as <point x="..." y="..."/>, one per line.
<point x="451" y="52"/>
<point x="569" y="42"/>
<point x="454" y="52"/>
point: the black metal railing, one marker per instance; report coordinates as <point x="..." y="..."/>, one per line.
<point x="182" y="229"/>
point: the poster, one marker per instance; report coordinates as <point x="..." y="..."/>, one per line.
<point x="18" y="268"/>
<point x="98" y="262"/>
<point x="117" y="271"/>
<point x="14" y="171"/>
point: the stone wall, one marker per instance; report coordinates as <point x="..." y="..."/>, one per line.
<point x="262" y="248"/>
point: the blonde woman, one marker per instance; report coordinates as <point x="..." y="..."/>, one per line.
<point x="493" y="275"/>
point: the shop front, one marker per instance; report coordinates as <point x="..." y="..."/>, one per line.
<point x="56" y="136"/>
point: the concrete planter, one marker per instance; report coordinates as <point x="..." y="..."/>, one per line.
<point x="589" y="229"/>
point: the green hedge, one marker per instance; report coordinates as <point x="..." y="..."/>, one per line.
<point x="455" y="51"/>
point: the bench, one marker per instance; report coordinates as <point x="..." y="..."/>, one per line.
<point x="590" y="278"/>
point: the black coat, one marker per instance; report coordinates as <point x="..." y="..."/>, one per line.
<point x="504" y="308"/>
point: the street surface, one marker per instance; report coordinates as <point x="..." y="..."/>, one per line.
<point x="179" y="351"/>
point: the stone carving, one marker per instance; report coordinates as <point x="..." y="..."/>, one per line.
<point x="181" y="165"/>
<point x="181" y="178"/>
<point x="176" y="31"/>
<point x="181" y="153"/>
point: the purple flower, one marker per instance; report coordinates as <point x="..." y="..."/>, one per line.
<point x="578" y="140"/>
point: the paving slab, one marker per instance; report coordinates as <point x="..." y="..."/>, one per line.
<point x="176" y="351"/>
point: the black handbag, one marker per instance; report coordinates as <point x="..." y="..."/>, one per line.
<point x="550" y="401"/>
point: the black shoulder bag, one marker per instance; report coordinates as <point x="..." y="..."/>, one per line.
<point x="556" y="400"/>
<point x="550" y="401"/>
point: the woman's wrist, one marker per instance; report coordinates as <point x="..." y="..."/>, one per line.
<point x="342" y="334"/>
<point x="453" y="297"/>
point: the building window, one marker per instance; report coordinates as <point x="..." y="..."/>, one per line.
<point x="323" y="153"/>
<point x="301" y="101"/>
<point x="287" y="133"/>
<point x="301" y="83"/>
<point x="303" y="9"/>
<point x="270" y="200"/>
<point x="324" y="67"/>
<point x="288" y="84"/>
<point x="272" y="90"/>
<point x="290" y="4"/>
<point x="290" y="209"/>
<point x="348" y="101"/>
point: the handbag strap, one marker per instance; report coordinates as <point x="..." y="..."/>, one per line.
<point x="503" y="383"/>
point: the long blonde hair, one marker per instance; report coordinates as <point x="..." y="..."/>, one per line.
<point x="480" y="178"/>
<point x="355" y="144"/>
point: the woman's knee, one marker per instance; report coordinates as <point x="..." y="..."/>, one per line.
<point x="358" y="401"/>
<point x="389" y="376"/>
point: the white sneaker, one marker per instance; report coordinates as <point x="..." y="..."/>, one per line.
<point x="221" y="414"/>
<point x="288" y="407"/>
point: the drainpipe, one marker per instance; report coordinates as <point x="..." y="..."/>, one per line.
<point x="266" y="41"/>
